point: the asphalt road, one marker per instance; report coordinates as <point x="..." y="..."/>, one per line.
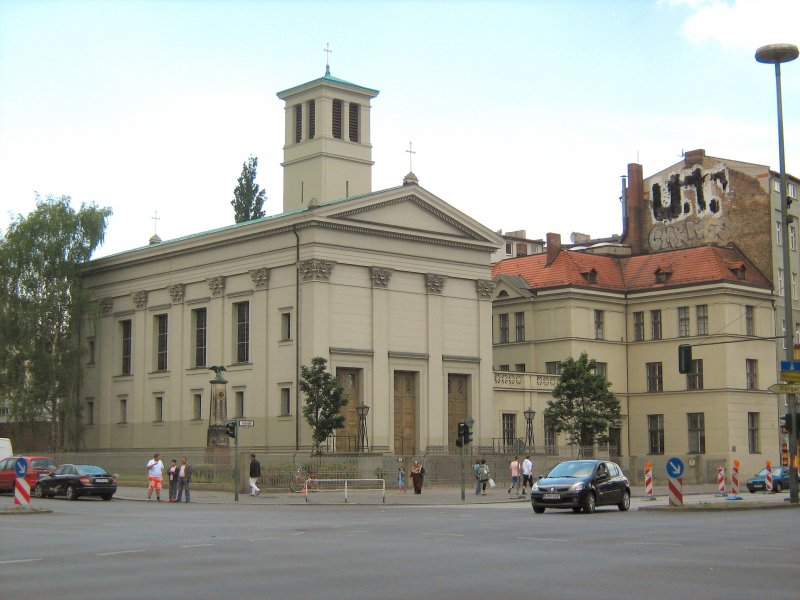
<point x="93" y="549"/>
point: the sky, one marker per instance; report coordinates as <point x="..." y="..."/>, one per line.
<point x="522" y="114"/>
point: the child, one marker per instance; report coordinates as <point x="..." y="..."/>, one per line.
<point x="173" y="480"/>
<point x="401" y="480"/>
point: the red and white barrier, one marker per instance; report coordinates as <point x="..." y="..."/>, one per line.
<point x="768" y="477"/>
<point x="720" y="482"/>
<point x="735" y="481"/>
<point x="675" y="491"/>
<point x="22" y="492"/>
<point x="648" y="481"/>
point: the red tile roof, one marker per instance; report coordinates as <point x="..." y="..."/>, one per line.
<point x="690" y="266"/>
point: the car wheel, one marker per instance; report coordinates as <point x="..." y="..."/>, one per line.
<point x="538" y="509"/>
<point x="589" y="503"/>
<point x="752" y="491"/>
<point x="576" y="509"/>
<point x="38" y="491"/>
<point x="626" y="501"/>
<point x="70" y="493"/>
<point x="777" y="487"/>
<point x="107" y="496"/>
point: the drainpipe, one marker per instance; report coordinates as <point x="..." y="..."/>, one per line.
<point x="624" y="199"/>
<point x="297" y="340"/>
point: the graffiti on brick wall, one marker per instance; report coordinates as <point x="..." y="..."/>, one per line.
<point x="689" y="233"/>
<point x="697" y="191"/>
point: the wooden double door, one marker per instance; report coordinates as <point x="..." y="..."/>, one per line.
<point x="347" y="436"/>
<point x="405" y="412"/>
<point x="457" y="405"/>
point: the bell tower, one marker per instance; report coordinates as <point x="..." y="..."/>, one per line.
<point x="327" y="153"/>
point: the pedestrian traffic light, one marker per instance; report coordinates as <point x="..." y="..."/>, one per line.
<point x="230" y="428"/>
<point x="684" y="358"/>
<point x="460" y="437"/>
<point x="786" y="422"/>
<point x="467" y="434"/>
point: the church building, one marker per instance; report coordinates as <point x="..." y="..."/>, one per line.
<point x="393" y="288"/>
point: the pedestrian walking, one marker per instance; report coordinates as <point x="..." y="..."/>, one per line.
<point x="527" y="473"/>
<point x="255" y="473"/>
<point x="417" y="476"/>
<point x="184" y="479"/>
<point x="483" y="476"/>
<point x="516" y="470"/>
<point x="401" y="480"/>
<point x="476" y="473"/>
<point x="155" y="470"/>
<point x="172" y="475"/>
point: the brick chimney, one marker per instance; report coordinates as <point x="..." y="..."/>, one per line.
<point x="634" y="208"/>
<point x="693" y="157"/>
<point x="553" y="247"/>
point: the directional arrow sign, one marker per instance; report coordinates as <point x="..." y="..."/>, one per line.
<point x="675" y="467"/>
<point x="785" y="388"/>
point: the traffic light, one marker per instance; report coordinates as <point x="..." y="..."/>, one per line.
<point x="684" y="358"/>
<point x="230" y="428"/>
<point x="786" y="422"/>
<point x="467" y="434"/>
<point x="461" y="429"/>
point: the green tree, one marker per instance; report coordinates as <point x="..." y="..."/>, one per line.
<point x="583" y="407"/>
<point x="324" y="401"/>
<point x="248" y="198"/>
<point x="42" y="307"/>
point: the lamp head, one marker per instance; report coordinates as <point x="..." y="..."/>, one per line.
<point x="776" y="53"/>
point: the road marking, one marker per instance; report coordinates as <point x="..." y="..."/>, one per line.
<point x="652" y="544"/>
<point x="19" y="560"/>
<point x="443" y="534"/>
<point x="118" y="552"/>
<point x="764" y="548"/>
<point x="264" y="539"/>
<point x="299" y="533"/>
<point x="357" y="531"/>
<point x="196" y="545"/>
<point x="533" y="539"/>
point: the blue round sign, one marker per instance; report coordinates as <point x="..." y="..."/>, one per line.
<point x="21" y="467"/>
<point x="675" y="467"/>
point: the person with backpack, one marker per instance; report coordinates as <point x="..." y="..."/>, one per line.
<point x="483" y="477"/>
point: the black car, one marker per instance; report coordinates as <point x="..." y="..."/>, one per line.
<point x="582" y="485"/>
<point x="74" y="481"/>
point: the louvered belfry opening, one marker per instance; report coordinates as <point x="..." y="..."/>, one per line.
<point x="312" y="120"/>
<point x="355" y="110"/>
<point x="337" y="119"/>
<point x="298" y="123"/>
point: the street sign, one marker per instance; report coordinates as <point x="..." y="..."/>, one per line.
<point x="21" y="467"/>
<point x="250" y="422"/>
<point x="790" y="365"/>
<point x="793" y="376"/>
<point x="785" y="388"/>
<point x="675" y="467"/>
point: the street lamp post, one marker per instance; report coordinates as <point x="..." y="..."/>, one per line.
<point x="529" y="415"/>
<point x="777" y="54"/>
<point x="363" y="442"/>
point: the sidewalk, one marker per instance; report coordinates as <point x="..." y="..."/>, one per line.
<point x="694" y="495"/>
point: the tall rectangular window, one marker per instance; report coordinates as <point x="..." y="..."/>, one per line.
<point x="778" y="233"/>
<point x="161" y="342"/>
<point x="158" y="411"/>
<point x="200" y="318"/>
<point x="553" y="367"/>
<point x="519" y="367"/>
<point x="127" y="346"/>
<point x="702" y="319"/>
<point x="750" y="320"/>
<point x="286" y="401"/>
<point x="753" y="445"/>
<point x="655" y="323"/>
<point x="694" y="380"/>
<point x="550" y="441"/>
<point x="286" y="326"/>
<point x="509" y="425"/>
<point x="519" y="322"/>
<point x="354" y="118"/>
<point x="599" y="325"/>
<point x="638" y="326"/>
<point x="197" y="407"/>
<point x="242" y="312"/>
<point x="239" y="404"/>
<point x="683" y="321"/>
<point x="312" y="119"/>
<point x="655" y="382"/>
<point x="90" y="352"/>
<point x="298" y="123"/>
<point x="697" y="433"/>
<point x="601" y="369"/>
<point x="780" y="282"/>
<point x="503" y="328"/>
<point x="655" y="434"/>
<point x="90" y="412"/>
<point x="337" y="119"/>
<point x="123" y="410"/>
<point x="793" y="237"/>
<point x="751" y="373"/>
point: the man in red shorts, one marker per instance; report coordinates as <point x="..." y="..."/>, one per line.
<point x="155" y="468"/>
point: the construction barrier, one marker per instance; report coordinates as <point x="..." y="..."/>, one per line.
<point x="675" y="491"/>
<point x="648" y="482"/>
<point x="768" y="477"/>
<point x="22" y="492"/>
<point x="721" y="482"/>
<point x="735" y="481"/>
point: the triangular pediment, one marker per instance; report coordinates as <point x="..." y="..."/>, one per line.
<point x="510" y="286"/>
<point x="410" y="213"/>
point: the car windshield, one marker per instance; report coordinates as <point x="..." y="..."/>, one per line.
<point x="43" y="463"/>
<point x="90" y="470"/>
<point x="775" y="471"/>
<point x="577" y="468"/>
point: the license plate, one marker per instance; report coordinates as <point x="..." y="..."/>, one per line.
<point x="551" y="497"/>
<point x="101" y="480"/>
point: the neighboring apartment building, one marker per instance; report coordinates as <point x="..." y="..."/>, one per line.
<point x="630" y="314"/>
<point x="516" y="243"/>
<point x="392" y="287"/>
